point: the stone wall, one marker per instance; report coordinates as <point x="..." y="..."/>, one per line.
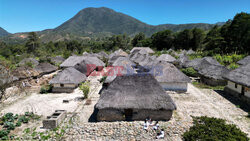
<point x="138" y="115"/>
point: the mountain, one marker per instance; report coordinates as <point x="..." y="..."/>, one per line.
<point x="3" y="32"/>
<point x="100" y="22"/>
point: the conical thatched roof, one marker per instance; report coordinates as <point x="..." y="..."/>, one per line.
<point x="135" y="92"/>
<point x="138" y="56"/>
<point x="213" y="71"/>
<point x="166" y="72"/>
<point x="102" y="55"/>
<point x="240" y="75"/>
<point x="182" y="60"/>
<point x="68" y="76"/>
<point x="44" y="68"/>
<point x="126" y="68"/>
<point x="166" y="58"/>
<point x="147" y="61"/>
<point x="119" y="52"/>
<point x="57" y="59"/>
<point x="200" y="63"/>
<point x="25" y="72"/>
<point x="33" y="61"/>
<point x="72" y="61"/>
<point x="190" y="51"/>
<point x="244" y="61"/>
<point x="147" y="49"/>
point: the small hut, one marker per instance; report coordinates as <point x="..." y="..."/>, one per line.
<point x="45" y="68"/>
<point x="244" y="61"/>
<point x="57" y="59"/>
<point x="200" y="63"/>
<point x="134" y="97"/>
<point x="238" y="83"/>
<point x="138" y="56"/>
<point x="115" y="55"/>
<point x="190" y="51"/>
<point x="182" y="61"/>
<point x="166" y="58"/>
<point x="25" y="61"/>
<point x="212" y="75"/>
<point x="102" y="55"/>
<point x="170" y="78"/>
<point x="147" y="49"/>
<point x="67" y="80"/>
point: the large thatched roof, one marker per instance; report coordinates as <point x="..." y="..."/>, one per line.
<point x="244" y="61"/>
<point x="166" y="58"/>
<point x="74" y="60"/>
<point x="126" y="69"/>
<point x="119" y="52"/>
<point x="147" y="49"/>
<point x="33" y="61"/>
<point x="44" y="68"/>
<point x="213" y="71"/>
<point x="166" y="72"/>
<point x="68" y="76"/>
<point x="57" y="59"/>
<point x="102" y="55"/>
<point x="138" y="56"/>
<point x="135" y="92"/>
<point x="200" y="63"/>
<point x="190" y="51"/>
<point x="240" y="75"/>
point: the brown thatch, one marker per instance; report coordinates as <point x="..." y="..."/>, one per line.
<point x="135" y="92"/>
<point x="45" y="68"/>
<point x="240" y="75"/>
<point x="33" y="61"/>
<point x="244" y="61"/>
<point x="57" y="59"/>
<point x="147" y="49"/>
<point x="166" y="58"/>
<point x="68" y="76"/>
<point x="25" y="72"/>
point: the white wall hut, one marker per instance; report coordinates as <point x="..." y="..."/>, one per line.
<point x="134" y="97"/>
<point x="170" y="78"/>
<point x="238" y="83"/>
<point x="67" y="80"/>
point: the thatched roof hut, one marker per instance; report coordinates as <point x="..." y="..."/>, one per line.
<point x="240" y="75"/>
<point x="45" y="68"/>
<point x="182" y="61"/>
<point x="102" y="55"/>
<point x="244" y="61"/>
<point x="138" y="56"/>
<point x="134" y="97"/>
<point x="166" y="58"/>
<point x="68" y="76"/>
<point x="57" y="59"/>
<point x="116" y="55"/>
<point x="212" y="75"/>
<point x="72" y="61"/>
<point x="33" y="61"/>
<point x="200" y="63"/>
<point x="147" y="49"/>
<point x="190" y="51"/>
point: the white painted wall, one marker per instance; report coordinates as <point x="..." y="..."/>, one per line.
<point x="174" y="86"/>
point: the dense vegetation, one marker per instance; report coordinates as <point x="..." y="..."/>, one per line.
<point x="230" y="39"/>
<point x="206" y="128"/>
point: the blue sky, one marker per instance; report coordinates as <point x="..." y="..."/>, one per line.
<point x="34" y="15"/>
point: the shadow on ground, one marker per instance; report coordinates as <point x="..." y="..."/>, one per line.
<point x="93" y="117"/>
<point x="236" y="101"/>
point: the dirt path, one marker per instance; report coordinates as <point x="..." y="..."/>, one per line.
<point x="206" y="102"/>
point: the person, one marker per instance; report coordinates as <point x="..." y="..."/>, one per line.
<point x="161" y="135"/>
<point x="145" y="126"/>
<point x="156" y="125"/>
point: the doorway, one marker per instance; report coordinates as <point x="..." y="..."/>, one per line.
<point x="242" y="91"/>
<point x="128" y="114"/>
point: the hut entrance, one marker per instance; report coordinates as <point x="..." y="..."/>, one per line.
<point x="128" y="114"/>
<point x="243" y="90"/>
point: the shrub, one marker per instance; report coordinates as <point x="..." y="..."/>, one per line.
<point x="18" y="124"/>
<point x="9" y="125"/>
<point x="233" y="66"/>
<point x="23" y="119"/>
<point x="29" y="64"/>
<point x="190" y="72"/>
<point x="46" y="89"/>
<point x="4" y="134"/>
<point x="8" y="117"/>
<point x="206" y="128"/>
<point x="85" y="89"/>
<point x="103" y="79"/>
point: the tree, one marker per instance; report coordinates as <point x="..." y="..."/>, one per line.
<point x="137" y="39"/>
<point x="184" y="39"/>
<point x="198" y="37"/>
<point x="162" y="40"/>
<point x="33" y="42"/>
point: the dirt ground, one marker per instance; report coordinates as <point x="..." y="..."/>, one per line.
<point x="206" y="102"/>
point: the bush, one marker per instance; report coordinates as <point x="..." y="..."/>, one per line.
<point x="9" y="125"/>
<point x="190" y="72"/>
<point x="233" y="66"/>
<point x="206" y="128"/>
<point x="103" y="79"/>
<point x="23" y="119"/>
<point x="46" y="89"/>
<point x="18" y="124"/>
<point x="4" y="134"/>
<point x="85" y="89"/>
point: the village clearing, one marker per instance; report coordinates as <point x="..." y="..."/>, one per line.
<point x="195" y="102"/>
